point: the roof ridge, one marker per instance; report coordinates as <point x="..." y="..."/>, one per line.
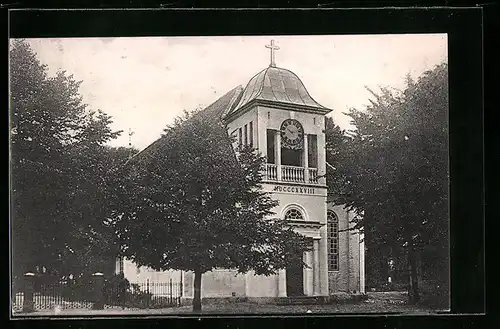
<point x="203" y="113"/>
<point x="233" y="101"/>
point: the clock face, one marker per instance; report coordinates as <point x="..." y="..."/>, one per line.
<point x="292" y="132"/>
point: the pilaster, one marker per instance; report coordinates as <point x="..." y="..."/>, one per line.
<point x="308" y="274"/>
<point x="282" y="283"/>
<point x="306" y="159"/>
<point x="277" y="150"/>
<point x="323" y="261"/>
<point x="316" y="268"/>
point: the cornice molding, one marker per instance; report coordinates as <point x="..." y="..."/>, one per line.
<point x="277" y="105"/>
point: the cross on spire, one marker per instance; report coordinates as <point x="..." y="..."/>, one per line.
<point x="273" y="49"/>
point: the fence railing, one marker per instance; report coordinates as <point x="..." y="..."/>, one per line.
<point x="96" y="293"/>
<point x="48" y="295"/>
<point x="147" y="294"/>
<point x="17" y="302"/>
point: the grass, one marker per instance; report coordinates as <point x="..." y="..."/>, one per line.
<point x="381" y="302"/>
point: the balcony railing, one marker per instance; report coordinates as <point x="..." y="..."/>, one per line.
<point x="291" y="174"/>
<point x="313" y="176"/>
<point x="271" y="172"/>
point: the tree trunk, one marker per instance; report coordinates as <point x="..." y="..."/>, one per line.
<point x="197" y="291"/>
<point x="413" y="295"/>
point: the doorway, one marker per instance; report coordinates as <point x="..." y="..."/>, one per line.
<point x="295" y="277"/>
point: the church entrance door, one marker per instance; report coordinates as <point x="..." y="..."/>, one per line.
<point x="295" y="277"/>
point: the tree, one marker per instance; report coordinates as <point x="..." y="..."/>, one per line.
<point x="59" y="165"/>
<point x="199" y="205"/>
<point x="392" y="169"/>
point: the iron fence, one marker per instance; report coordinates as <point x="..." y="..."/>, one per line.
<point x="84" y="294"/>
<point x="149" y="294"/>
<point x="62" y="294"/>
<point x="17" y="302"/>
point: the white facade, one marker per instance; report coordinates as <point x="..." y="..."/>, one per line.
<point x="141" y="274"/>
<point x="300" y="189"/>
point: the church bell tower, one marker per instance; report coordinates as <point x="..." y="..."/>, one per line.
<point x="276" y="115"/>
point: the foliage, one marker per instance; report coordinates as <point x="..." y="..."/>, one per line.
<point x="119" y="291"/>
<point x="78" y="289"/>
<point x="392" y="169"/>
<point x="200" y="206"/>
<point x="115" y="289"/>
<point x="59" y="168"/>
<point x="135" y="297"/>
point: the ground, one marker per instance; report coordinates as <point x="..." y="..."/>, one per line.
<point x="379" y="302"/>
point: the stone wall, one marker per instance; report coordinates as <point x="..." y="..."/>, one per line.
<point x="261" y="286"/>
<point x="223" y="283"/>
<point x="217" y="283"/>
<point x="141" y="274"/>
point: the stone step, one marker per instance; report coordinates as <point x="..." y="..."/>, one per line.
<point x="301" y="300"/>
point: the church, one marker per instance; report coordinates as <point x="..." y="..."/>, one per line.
<point x="276" y="114"/>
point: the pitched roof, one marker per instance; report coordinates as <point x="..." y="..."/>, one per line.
<point x="215" y="112"/>
<point x="212" y="113"/>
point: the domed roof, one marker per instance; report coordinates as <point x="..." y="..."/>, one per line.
<point x="279" y="85"/>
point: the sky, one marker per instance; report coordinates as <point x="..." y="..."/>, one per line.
<point x="144" y="83"/>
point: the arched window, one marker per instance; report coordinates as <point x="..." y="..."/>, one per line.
<point x="333" y="240"/>
<point x="294" y="214"/>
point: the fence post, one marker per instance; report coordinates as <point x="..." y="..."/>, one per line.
<point x="182" y="286"/>
<point x="29" y="289"/>
<point x="98" y="281"/>
<point x="147" y="295"/>
<point x="171" y="292"/>
<point x="179" y="293"/>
